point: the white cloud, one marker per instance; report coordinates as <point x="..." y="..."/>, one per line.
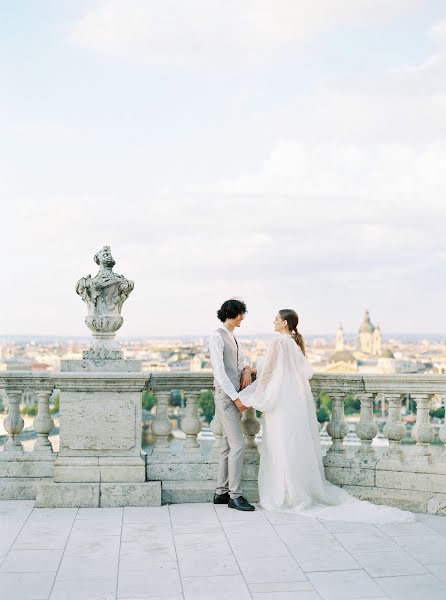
<point x="438" y="32"/>
<point x="348" y="182"/>
<point x="219" y="32"/>
<point x="345" y="210"/>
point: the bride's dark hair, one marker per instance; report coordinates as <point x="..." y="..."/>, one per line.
<point x="290" y="316"/>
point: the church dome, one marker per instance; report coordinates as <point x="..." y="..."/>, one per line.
<point x="342" y="356"/>
<point x="367" y="326"/>
<point x="387" y="354"/>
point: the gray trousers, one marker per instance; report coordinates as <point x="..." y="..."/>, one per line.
<point x="232" y="446"/>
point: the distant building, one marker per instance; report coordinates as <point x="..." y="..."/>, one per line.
<point x="368" y="357"/>
<point x="196" y="363"/>
<point x="340" y="342"/>
<point x="342" y="361"/>
<point x="439" y="366"/>
<point x="369" y="337"/>
<point x="19" y="364"/>
<point x="387" y="362"/>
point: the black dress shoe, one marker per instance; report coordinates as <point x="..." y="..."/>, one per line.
<point x="222" y="498"/>
<point x="240" y="503"/>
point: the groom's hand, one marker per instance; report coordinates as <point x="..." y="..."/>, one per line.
<point x="246" y="379"/>
<point x="240" y="406"/>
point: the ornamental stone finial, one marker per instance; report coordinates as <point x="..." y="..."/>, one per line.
<point x="104" y="296"/>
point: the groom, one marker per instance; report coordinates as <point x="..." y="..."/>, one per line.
<point x="231" y="374"/>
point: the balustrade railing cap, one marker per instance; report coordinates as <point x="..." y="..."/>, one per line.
<point x="26" y="380"/>
<point x="405" y="384"/>
<point x="335" y="383"/>
<point x="181" y="381"/>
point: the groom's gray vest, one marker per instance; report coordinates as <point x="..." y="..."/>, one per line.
<point x="230" y="358"/>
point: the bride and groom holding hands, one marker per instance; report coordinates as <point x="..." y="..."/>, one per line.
<point x="291" y="473"/>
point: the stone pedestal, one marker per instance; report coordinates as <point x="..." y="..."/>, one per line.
<point x="100" y="460"/>
<point x="100" y="426"/>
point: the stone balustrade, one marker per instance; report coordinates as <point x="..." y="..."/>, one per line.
<point x="411" y="476"/>
<point x="15" y="385"/>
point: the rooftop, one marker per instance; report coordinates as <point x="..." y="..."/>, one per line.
<point x="202" y="551"/>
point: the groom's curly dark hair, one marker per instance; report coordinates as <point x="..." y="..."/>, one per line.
<point x="230" y="309"/>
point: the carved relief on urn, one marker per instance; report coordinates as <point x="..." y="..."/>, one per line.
<point x="104" y="296"/>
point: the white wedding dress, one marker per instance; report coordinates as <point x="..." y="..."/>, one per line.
<point x="291" y="473"/>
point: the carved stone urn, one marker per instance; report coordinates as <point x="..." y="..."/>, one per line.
<point x="104" y="296"/>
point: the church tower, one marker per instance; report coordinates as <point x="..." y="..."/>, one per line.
<point x="365" y="337"/>
<point x="339" y="339"/>
<point x="377" y="342"/>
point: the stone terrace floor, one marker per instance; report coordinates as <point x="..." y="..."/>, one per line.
<point x="198" y="551"/>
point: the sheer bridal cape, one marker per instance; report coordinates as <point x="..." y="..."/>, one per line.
<point x="291" y="474"/>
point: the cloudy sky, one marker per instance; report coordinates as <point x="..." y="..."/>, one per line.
<point x="288" y="152"/>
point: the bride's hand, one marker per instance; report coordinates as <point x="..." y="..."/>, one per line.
<point x="246" y="379"/>
<point x="240" y="405"/>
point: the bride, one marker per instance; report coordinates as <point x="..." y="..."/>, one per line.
<point x="291" y="473"/>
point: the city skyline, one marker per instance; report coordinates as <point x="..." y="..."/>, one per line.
<point x="285" y="152"/>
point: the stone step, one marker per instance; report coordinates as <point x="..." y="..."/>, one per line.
<point x="20" y="488"/>
<point x="177" y="492"/>
<point x="413" y="500"/>
<point x="194" y="471"/>
<point x="93" y="495"/>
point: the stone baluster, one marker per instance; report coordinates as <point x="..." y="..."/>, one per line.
<point x="250" y="428"/>
<point x="423" y="431"/>
<point x="43" y="423"/>
<point x="394" y="429"/>
<point x="337" y="428"/>
<point x="161" y="426"/>
<point x="366" y="428"/>
<point x="217" y="430"/>
<point x="14" y="423"/>
<point x="191" y="424"/>
<point x="442" y="432"/>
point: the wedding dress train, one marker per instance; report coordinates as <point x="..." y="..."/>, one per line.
<point x="291" y="473"/>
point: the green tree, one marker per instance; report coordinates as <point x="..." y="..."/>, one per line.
<point x="56" y="405"/>
<point x="323" y="407"/>
<point x="177" y="398"/>
<point x="352" y="405"/>
<point x="30" y="410"/>
<point x="325" y="401"/>
<point x="206" y="405"/>
<point x="322" y="414"/>
<point x="437" y="413"/>
<point x="148" y="400"/>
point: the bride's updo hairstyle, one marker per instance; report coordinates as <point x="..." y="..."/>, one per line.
<point x="290" y="316"/>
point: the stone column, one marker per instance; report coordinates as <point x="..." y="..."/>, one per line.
<point x="14" y="423"/>
<point x="394" y="429"/>
<point x="442" y="432"/>
<point x="191" y="424"/>
<point x="43" y="423"/>
<point x="423" y="431"/>
<point x="161" y="426"/>
<point x="250" y="428"/>
<point x="337" y="428"/>
<point x="217" y="430"/>
<point x="366" y="429"/>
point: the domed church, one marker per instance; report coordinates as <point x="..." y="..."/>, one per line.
<point x="369" y="337"/>
<point x="368" y="355"/>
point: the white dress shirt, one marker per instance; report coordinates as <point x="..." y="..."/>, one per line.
<point x="216" y="347"/>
